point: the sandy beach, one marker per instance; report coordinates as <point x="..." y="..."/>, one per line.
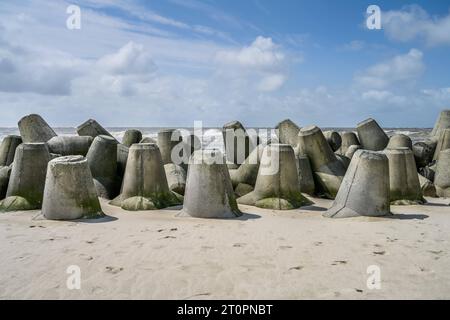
<point x="265" y="254"/>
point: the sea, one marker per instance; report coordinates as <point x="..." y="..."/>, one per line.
<point x="212" y="137"/>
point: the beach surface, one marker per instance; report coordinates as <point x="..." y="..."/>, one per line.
<point x="265" y="254"/>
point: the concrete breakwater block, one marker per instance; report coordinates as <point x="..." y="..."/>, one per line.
<point x="443" y="122"/>
<point x="92" y="128"/>
<point x="334" y="139"/>
<point x="399" y="141"/>
<point x="27" y="179"/>
<point x="69" y="190"/>
<point x="247" y="171"/>
<point x="348" y="139"/>
<point x="238" y="144"/>
<point x="131" y="136"/>
<point x="442" y="144"/>
<point x="33" y="128"/>
<point x="427" y="186"/>
<point x="171" y="140"/>
<point x="305" y="174"/>
<point x="277" y="186"/>
<point x="144" y="185"/>
<point x="442" y="177"/>
<point x="287" y="132"/>
<point x="424" y="152"/>
<point x="365" y="188"/>
<point x="176" y="177"/>
<point x="371" y="136"/>
<point x="5" y="172"/>
<point x="102" y="160"/>
<point x="403" y="179"/>
<point x="328" y="169"/>
<point x="209" y="192"/>
<point x="8" y="149"/>
<point x="70" y="145"/>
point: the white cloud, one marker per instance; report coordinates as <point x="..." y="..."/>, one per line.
<point x="271" y="82"/>
<point x="414" y="22"/>
<point x="402" y="70"/>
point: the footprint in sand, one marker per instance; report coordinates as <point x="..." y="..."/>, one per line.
<point x="380" y="253"/>
<point x="338" y="262"/>
<point x="318" y="243"/>
<point x="113" y="270"/>
<point x="239" y="245"/>
<point x="168" y="237"/>
<point x="296" y="268"/>
<point x="285" y="247"/>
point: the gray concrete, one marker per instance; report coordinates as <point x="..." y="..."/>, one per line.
<point x="238" y="144"/>
<point x="148" y="140"/>
<point x="209" y="193"/>
<point x="92" y="128"/>
<point x="403" y="179"/>
<point x="102" y="160"/>
<point x="5" y="172"/>
<point x="442" y="178"/>
<point x="171" y="140"/>
<point x="349" y="139"/>
<point x="305" y="175"/>
<point x="70" y="145"/>
<point x="365" y="189"/>
<point x="424" y="152"/>
<point x="287" y="132"/>
<point x="248" y="171"/>
<point x="27" y="180"/>
<point x="277" y="186"/>
<point x="427" y="186"/>
<point x="8" y="149"/>
<point x="371" y="136"/>
<point x="328" y="170"/>
<point x="443" y="122"/>
<point x="399" y="141"/>
<point x="122" y="157"/>
<point x="334" y="139"/>
<point x="131" y="136"/>
<point x="69" y="190"/>
<point x="443" y="143"/>
<point x="144" y="184"/>
<point x="34" y="129"/>
<point x="351" y="151"/>
<point x="176" y="177"/>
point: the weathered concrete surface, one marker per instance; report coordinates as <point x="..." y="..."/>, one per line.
<point x="248" y="171"/>
<point x="399" y="141"/>
<point x="424" y="152"/>
<point x="442" y="178"/>
<point x="176" y="177"/>
<point x="148" y="140"/>
<point x="122" y="157"/>
<point x="443" y="122"/>
<point x="328" y="170"/>
<point x="287" y="132"/>
<point x="351" y="151"/>
<point x="102" y="160"/>
<point x="334" y="139"/>
<point x="8" y="149"/>
<point x="170" y="140"/>
<point x="403" y="179"/>
<point x="238" y="144"/>
<point x="92" y="128"/>
<point x="305" y="175"/>
<point x="277" y="186"/>
<point x="209" y="193"/>
<point x="427" y="186"/>
<point x="27" y="179"/>
<point x="371" y="136"/>
<point x="69" y="190"/>
<point x="34" y="129"/>
<point x="349" y="138"/>
<point x="144" y="184"/>
<point x="5" y="172"/>
<point x="443" y="143"/>
<point x="131" y="136"/>
<point x="70" y="145"/>
<point x="365" y="189"/>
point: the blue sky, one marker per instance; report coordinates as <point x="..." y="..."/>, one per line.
<point x="170" y="63"/>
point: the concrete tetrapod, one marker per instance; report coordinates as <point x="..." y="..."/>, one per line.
<point x="334" y="139"/>
<point x="371" y="136"/>
<point x="348" y="138"/>
<point x="287" y="132"/>
<point x="424" y="152"/>
<point x="34" y="129"/>
<point x="148" y="140"/>
<point x="238" y="144"/>
<point x="5" y="172"/>
<point x="442" y="177"/>
<point x="27" y="179"/>
<point x="176" y="177"/>
<point x="403" y="179"/>
<point x="427" y="186"/>
<point x="328" y="169"/>
<point x="171" y="140"/>
<point x="443" y="143"/>
<point x="69" y="190"/>
<point x="131" y="136"/>
<point x="8" y="149"/>
<point x="144" y="184"/>
<point x="443" y="122"/>
<point x="247" y="172"/>
<point x="305" y="175"/>
<point x="351" y="151"/>
<point x="399" y="141"/>
<point x="122" y="157"/>
<point x="365" y="188"/>
<point x="209" y="193"/>
<point x="277" y="186"/>
<point x="102" y="160"/>
<point x="92" y="128"/>
<point x="70" y="145"/>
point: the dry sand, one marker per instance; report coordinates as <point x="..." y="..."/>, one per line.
<point x="265" y="254"/>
